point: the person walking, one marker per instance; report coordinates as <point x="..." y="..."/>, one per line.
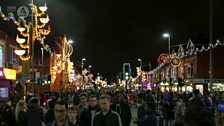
<point x="106" y="117"/>
<point x="20" y="113"/>
<point x="122" y="108"/>
<point x="34" y="114"/>
<point x="60" y="113"/>
<point x="87" y="116"/>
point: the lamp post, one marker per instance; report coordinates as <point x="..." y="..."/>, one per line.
<point x="166" y="35"/>
<point x="83" y="59"/>
<point x="33" y="31"/>
<point x="140" y="60"/>
<point x="89" y="67"/>
<point x="42" y="61"/>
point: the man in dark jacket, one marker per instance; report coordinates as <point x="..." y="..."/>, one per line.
<point x="87" y="116"/>
<point x="122" y="108"/>
<point x="34" y="114"/>
<point x="60" y="113"/>
<point x="106" y="117"/>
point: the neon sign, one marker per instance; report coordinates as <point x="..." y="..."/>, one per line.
<point x="8" y="74"/>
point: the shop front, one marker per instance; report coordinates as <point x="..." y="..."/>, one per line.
<point x="7" y="82"/>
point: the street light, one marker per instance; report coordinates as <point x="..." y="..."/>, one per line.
<point x="42" y="61"/>
<point x="140" y="60"/>
<point x="83" y="59"/>
<point x="34" y="32"/>
<point x="90" y="66"/>
<point x="70" y="41"/>
<point x="166" y="35"/>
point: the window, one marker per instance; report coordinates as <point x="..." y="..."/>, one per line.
<point x="190" y="70"/>
<point x="180" y="71"/>
<point x="14" y="59"/>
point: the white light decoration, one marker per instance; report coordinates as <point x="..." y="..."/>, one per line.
<point x="45" y="20"/>
<point x="20" y="40"/>
<point x="21" y="29"/>
<point x="20" y="52"/>
<point x="43" y="8"/>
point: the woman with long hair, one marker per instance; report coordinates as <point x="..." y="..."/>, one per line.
<point x="20" y="113"/>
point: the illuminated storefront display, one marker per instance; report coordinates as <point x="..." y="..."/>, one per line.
<point x="8" y="74"/>
<point x="7" y="79"/>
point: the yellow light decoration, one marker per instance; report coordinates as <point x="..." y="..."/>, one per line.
<point x="44" y="31"/>
<point x="21" y="29"/>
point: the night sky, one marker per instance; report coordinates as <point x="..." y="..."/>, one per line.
<point x="111" y="32"/>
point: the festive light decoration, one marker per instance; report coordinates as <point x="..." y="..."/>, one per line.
<point x="163" y="59"/>
<point x="63" y="63"/>
<point x="175" y="61"/>
<point x="25" y="29"/>
<point x="196" y="51"/>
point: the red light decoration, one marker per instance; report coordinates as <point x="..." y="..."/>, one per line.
<point x="163" y="59"/>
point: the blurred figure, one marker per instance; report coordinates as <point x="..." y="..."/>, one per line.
<point x="87" y="116"/>
<point x="60" y="113"/>
<point x="34" y="114"/>
<point x="73" y="115"/>
<point x="106" y="117"/>
<point x="20" y="113"/>
<point x="8" y="114"/>
<point x="196" y="113"/>
<point x="150" y="117"/>
<point x="49" y="116"/>
<point x="122" y="108"/>
<point x="209" y="105"/>
<point x="83" y="103"/>
<point x="70" y="100"/>
<point x="179" y="108"/>
<point x="142" y="108"/>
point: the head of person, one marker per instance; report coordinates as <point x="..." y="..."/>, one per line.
<point x="83" y="98"/>
<point x="72" y="113"/>
<point x="60" y="111"/>
<point x="196" y="92"/>
<point x="70" y="97"/>
<point x="141" y="98"/>
<point x="33" y="102"/>
<point x="209" y="94"/>
<point x="119" y="97"/>
<point x="20" y="106"/>
<point x="92" y="100"/>
<point x="105" y="102"/>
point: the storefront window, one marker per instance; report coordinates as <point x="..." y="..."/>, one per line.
<point x="217" y="87"/>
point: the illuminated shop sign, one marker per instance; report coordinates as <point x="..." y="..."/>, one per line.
<point x="8" y="74"/>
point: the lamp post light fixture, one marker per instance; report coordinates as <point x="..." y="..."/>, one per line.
<point x="83" y="59"/>
<point x="166" y="35"/>
<point x="32" y="31"/>
<point x="89" y="67"/>
<point x="70" y="41"/>
<point x="140" y="60"/>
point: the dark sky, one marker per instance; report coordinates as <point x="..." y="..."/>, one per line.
<point x="110" y="32"/>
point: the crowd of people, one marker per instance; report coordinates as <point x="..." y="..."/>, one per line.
<point x="113" y="108"/>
